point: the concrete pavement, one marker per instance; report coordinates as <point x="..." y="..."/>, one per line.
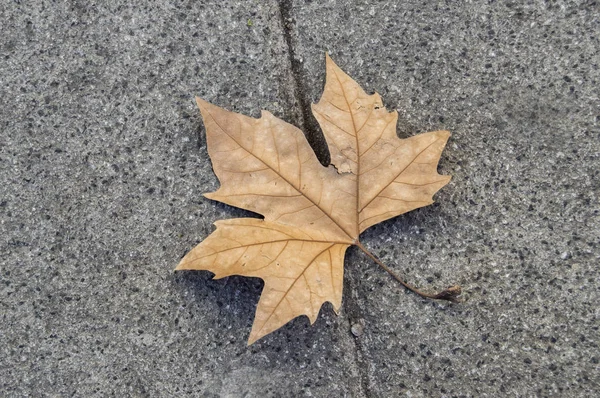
<point x="103" y="162"/>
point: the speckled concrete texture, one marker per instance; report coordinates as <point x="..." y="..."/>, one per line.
<point x="518" y="226"/>
<point x="103" y="162"/>
<point x="102" y="168"/>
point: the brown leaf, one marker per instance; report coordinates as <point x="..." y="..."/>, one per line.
<point x="311" y="213"/>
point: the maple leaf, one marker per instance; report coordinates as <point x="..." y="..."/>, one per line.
<point x="312" y="213"/>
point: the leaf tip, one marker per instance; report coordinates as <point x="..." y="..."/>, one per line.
<point x="181" y="265"/>
<point x="329" y="62"/>
<point x="252" y="339"/>
<point x="445" y="134"/>
<point x="190" y="262"/>
<point x="205" y="106"/>
<point x="210" y="195"/>
<point x="200" y="102"/>
<point x="266" y="114"/>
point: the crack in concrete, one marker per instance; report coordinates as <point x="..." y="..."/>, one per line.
<point x="308" y="123"/>
<point x="354" y="312"/>
<point x="316" y="139"/>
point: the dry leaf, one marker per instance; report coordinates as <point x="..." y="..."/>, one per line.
<point x="312" y="213"/>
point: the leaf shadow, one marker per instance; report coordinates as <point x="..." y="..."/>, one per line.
<point x="232" y="302"/>
<point x="227" y="304"/>
<point x="232" y="294"/>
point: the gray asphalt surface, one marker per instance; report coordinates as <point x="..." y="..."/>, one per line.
<point x="103" y="162"/>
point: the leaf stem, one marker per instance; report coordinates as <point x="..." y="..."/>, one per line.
<point x="449" y="294"/>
